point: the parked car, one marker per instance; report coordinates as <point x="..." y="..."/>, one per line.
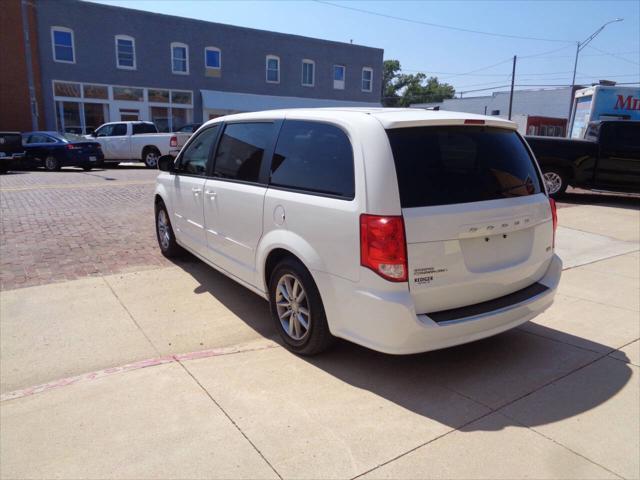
<point x="188" y="128"/>
<point x="402" y="230"/>
<point x="11" y="150"/>
<point x="136" y="141"/>
<point x="53" y="150"/>
<point x="608" y="158"/>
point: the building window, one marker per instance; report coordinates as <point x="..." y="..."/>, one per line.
<point x="128" y="93"/>
<point x="125" y="52"/>
<point x="212" y="58"/>
<point x="338" y="77"/>
<point x="180" y="58"/>
<point x="367" y="79"/>
<point x="308" y="73"/>
<point x="62" y="43"/>
<point x="273" y="69"/>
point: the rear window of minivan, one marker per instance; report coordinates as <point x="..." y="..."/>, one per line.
<point x="445" y="165"/>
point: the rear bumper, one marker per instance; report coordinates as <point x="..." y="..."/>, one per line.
<point x="387" y="322"/>
<point x="83" y="159"/>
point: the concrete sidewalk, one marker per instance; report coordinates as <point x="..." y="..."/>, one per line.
<point x="557" y="398"/>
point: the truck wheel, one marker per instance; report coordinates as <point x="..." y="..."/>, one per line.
<point x="150" y="156"/>
<point x="555" y="181"/>
<point x="51" y="163"/>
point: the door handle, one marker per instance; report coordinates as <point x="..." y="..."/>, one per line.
<point x="196" y="191"/>
<point x="211" y="193"/>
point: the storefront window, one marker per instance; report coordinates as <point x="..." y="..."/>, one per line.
<point x="160" y="116"/>
<point x="181" y="97"/>
<point x="95" y="114"/>
<point x="96" y="91"/>
<point x="160" y="96"/>
<point x="64" y="89"/>
<point x="180" y="117"/>
<point x="68" y="116"/>
<point x="126" y="93"/>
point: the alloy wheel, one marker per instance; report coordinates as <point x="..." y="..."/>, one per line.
<point x="292" y="306"/>
<point x="163" y="229"/>
<point x="553" y="181"/>
<point x="151" y="160"/>
<point x="50" y="163"/>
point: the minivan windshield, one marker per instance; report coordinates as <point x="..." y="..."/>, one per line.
<point x="445" y="165"/>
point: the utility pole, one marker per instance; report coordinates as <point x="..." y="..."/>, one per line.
<point x="33" y="102"/>
<point x="513" y="79"/>
<point x="579" y="47"/>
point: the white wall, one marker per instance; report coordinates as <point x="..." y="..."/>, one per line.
<point x="544" y="103"/>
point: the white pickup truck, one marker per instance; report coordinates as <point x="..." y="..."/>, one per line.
<point x="136" y="141"/>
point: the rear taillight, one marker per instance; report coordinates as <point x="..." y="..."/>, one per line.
<point x="173" y="142"/>
<point x="383" y="247"/>
<point x="554" y="217"/>
<point x="73" y="147"/>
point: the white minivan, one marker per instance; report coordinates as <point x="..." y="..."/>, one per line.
<point x="402" y="230"/>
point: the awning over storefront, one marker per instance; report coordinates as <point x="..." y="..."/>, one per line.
<point x="248" y="102"/>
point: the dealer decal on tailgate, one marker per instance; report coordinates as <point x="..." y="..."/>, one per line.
<point x="424" y="276"/>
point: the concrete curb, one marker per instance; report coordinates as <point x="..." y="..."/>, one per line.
<point x="151" y="362"/>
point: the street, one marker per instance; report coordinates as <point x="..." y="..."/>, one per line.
<point x="117" y="363"/>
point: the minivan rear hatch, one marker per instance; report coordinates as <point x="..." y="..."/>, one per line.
<point x="478" y="223"/>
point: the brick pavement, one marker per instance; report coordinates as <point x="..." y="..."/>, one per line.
<point x="58" y="226"/>
<point x="65" y="225"/>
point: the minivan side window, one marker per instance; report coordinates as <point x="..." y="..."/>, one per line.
<point x="313" y="157"/>
<point x="196" y="155"/>
<point x="241" y="149"/>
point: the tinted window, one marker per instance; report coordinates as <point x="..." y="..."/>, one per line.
<point x="315" y="157"/>
<point x="112" y="130"/>
<point x="620" y="136"/>
<point x="194" y="159"/>
<point x="446" y="165"/>
<point x="40" y="138"/>
<point x="139" y="128"/>
<point x="241" y="149"/>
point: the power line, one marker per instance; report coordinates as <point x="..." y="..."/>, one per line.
<point x="634" y="52"/>
<point x="613" y="55"/>
<point x="437" y="25"/>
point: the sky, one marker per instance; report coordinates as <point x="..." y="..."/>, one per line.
<point x="474" y="63"/>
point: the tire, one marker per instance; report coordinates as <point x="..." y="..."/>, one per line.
<point x="555" y="181"/>
<point x="164" y="233"/>
<point x="315" y="337"/>
<point x="150" y="156"/>
<point x="51" y="164"/>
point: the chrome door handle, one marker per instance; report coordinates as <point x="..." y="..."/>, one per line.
<point x="196" y="190"/>
<point x="211" y="193"/>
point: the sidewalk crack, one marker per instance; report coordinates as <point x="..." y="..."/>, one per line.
<point x="131" y="316"/>
<point x="233" y="422"/>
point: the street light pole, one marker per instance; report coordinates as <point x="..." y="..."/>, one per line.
<point x="579" y="47"/>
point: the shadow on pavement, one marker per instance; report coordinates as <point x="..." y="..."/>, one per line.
<point x="621" y="200"/>
<point x="494" y="372"/>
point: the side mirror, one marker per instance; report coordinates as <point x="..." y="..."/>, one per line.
<point x="165" y="163"/>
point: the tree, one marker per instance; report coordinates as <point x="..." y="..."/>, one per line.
<point x="401" y="90"/>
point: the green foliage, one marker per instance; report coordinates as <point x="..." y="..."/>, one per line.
<point x="401" y="90"/>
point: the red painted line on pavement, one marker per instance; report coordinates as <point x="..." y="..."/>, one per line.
<point x="150" y="362"/>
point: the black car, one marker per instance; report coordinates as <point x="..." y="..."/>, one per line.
<point x="11" y="150"/>
<point x="53" y="150"/>
<point x="608" y="159"/>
